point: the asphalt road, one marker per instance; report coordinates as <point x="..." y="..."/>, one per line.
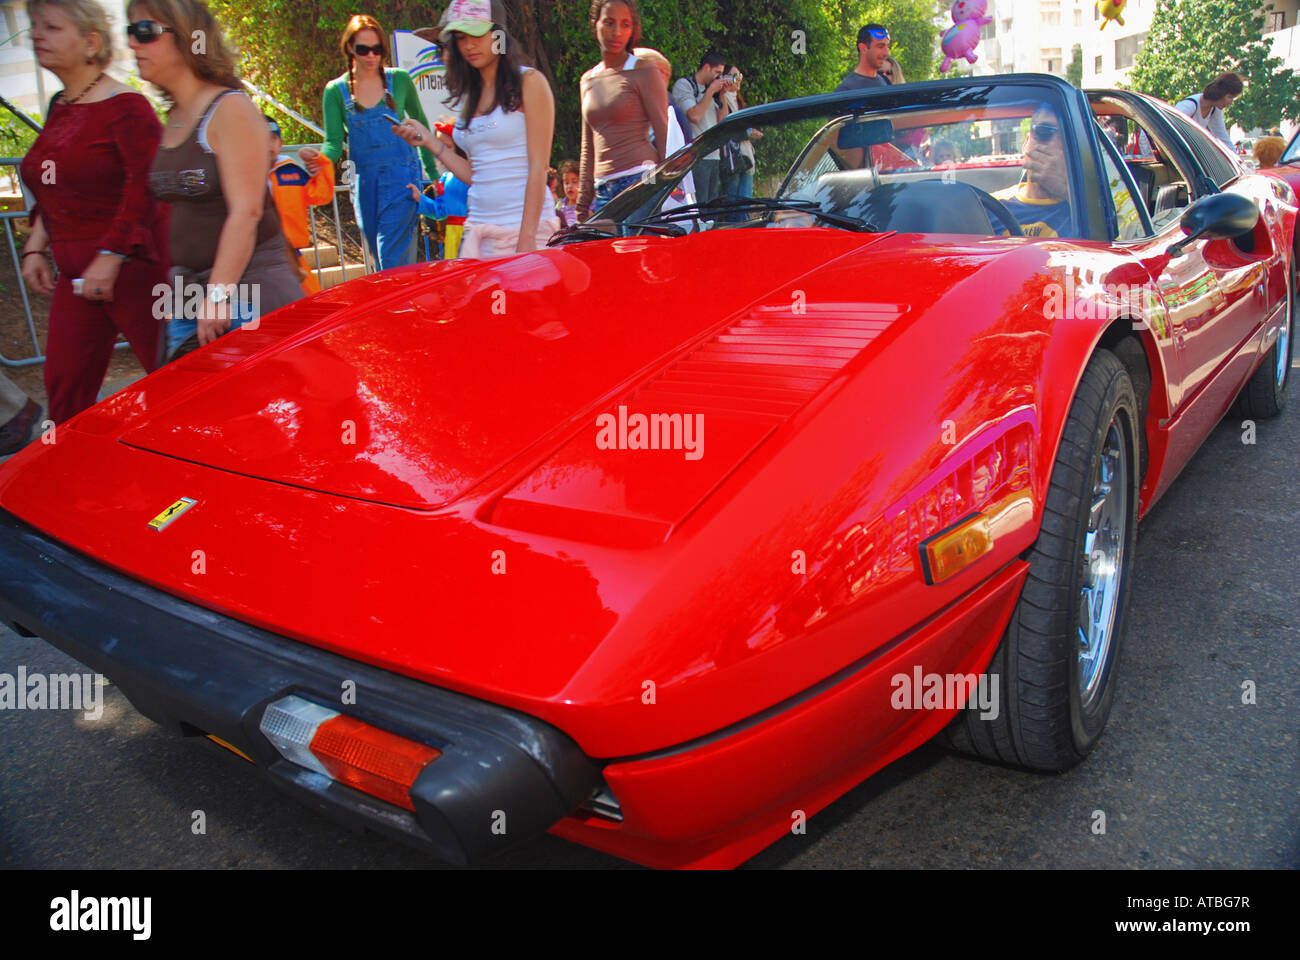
<point x="1186" y="774"/>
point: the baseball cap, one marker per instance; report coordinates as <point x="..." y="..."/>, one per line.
<point x="872" y="31"/>
<point x="474" y="17"/>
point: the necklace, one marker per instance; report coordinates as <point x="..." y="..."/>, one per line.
<point x="85" y="90"/>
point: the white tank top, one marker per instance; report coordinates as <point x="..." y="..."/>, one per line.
<point x="497" y="144"/>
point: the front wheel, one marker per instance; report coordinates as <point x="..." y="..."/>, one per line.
<point x="1056" y="663"/>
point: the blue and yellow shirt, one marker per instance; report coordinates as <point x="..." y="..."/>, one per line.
<point x="1038" y="218"/>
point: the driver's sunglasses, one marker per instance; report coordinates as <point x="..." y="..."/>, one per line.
<point x="1044" y="132"/>
<point x="147" y="31"/>
<point x="878" y="34"/>
<point x="363" y="50"/>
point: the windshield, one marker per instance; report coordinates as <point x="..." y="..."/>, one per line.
<point x="987" y="160"/>
<point x="1292" y="152"/>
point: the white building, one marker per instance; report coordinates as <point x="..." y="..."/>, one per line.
<point x="1039" y="36"/>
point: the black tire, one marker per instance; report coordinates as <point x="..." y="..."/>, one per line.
<point x="1264" y="394"/>
<point x="1051" y="709"/>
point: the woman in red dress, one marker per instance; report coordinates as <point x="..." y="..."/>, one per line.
<point x="89" y="173"/>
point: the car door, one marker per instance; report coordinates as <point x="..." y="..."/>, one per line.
<point x="1210" y="287"/>
<point x="1240" y="272"/>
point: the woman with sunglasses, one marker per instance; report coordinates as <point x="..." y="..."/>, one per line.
<point x="363" y="105"/>
<point x="212" y="168"/>
<point x="506" y="122"/>
<point x="89" y="171"/>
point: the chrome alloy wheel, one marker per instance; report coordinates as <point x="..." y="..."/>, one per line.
<point x="1103" y="561"/>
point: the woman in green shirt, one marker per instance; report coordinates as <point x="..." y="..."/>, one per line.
<point x="363" y="105"/>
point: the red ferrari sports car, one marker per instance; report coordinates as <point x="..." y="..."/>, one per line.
<point x="664" y="537"/>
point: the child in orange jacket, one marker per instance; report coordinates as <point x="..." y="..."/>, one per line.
<point x="295" y="190"/>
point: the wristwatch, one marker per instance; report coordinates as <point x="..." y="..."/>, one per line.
<point x="218" y="295"/>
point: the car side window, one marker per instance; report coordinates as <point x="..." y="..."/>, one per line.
<point x="1221" y="169"/>
<point x="1164" y="186"/>
<point x="1131" y="223"/>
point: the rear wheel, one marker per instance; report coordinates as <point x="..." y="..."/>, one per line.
<point x="1264" y="394"/>
<point x="1055" y="665"/>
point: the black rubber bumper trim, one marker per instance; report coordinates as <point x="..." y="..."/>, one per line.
<point x="503" y="776"/>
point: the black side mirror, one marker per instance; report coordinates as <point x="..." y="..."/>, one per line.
<point x="1218" y="215"/>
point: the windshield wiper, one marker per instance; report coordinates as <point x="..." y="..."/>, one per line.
<point x="662" y="229"/>
<point x="584" y="231"/>
<point x="692" y="211"/>
<point x="610" y="230"/>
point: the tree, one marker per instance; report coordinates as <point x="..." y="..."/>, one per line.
<point x="1193" y="41"/>
<point x="786" y="48"/>
<point x="290" y="47"/>
<point x="16" y="138"/>
<point x="1074" y="72"/>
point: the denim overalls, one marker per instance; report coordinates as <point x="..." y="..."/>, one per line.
<point x="383" y="165"/>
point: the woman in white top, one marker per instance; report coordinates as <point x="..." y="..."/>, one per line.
<point x="505" y="129"/>
<point x="1206" y="108"/>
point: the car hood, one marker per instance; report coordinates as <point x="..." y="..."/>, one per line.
<point x="565" y="582"/>
<point x="414" y="397"/>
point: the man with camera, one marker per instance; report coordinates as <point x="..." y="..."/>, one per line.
<point x="701" y="98"/>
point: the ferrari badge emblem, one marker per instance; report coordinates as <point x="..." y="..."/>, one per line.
<point x="164" y="519"/>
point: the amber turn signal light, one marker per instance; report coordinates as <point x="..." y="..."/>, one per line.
<point x="952" y="550"/>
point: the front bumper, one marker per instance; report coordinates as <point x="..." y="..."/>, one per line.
<point x="503" y="776"/>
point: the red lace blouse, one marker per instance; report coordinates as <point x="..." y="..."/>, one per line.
<point x="89" y="173"/>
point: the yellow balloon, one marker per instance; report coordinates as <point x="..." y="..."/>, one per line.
<point x="1112" y="10"/>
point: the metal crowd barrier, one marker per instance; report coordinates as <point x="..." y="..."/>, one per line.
<point x="9" y="216"/>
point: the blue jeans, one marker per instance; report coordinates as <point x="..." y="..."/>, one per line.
<point x="185" y="325"/>
<point x="610" y="189"/>
<point x="708" y="180"/>
<point x="740" y="186"/>
<point x="385" y="164"/>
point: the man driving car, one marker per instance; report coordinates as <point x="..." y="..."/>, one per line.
<point x="1040" y="202"/>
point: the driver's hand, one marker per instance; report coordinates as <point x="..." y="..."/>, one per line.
<point x="1046" y="167"/>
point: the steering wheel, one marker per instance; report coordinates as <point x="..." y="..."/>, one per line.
<point x="996" y="208"/>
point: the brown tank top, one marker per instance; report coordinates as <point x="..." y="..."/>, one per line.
<point x="186" y="177"/>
